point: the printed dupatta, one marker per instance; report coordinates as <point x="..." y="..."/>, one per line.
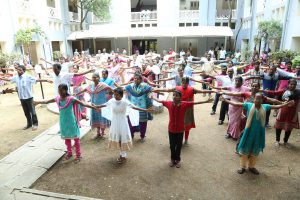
<point x="75" y="107"/>
<point x="260" y="114"/>
<point x="98" y="88"/>
<point x="138" y="91"/>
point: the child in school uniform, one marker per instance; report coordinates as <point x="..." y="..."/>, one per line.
<point x="68" y="119"/>
<point x="177" y="109"/>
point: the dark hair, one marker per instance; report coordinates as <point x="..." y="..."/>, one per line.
<point x="22" y="67"/>
<point x="178" y="92"/>
<point x="57" y="65"/>
<point x="96" y="74"/>
<point x="138" y="75"/>
<point x="105" y="71"/>
<point x="186" y="79"/>
<point x="289" y="62"/>
<point x="292" y="80"/>
<point x="77" y="66"/>
<point x="239" y="78"/>
<point x="255" y="83"/>
<point x="256" y="63"/>
<point x="64" y="86"/>
<point x="119" y="91"/>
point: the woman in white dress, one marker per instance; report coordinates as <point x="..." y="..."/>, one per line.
<point x="119" y="133"/>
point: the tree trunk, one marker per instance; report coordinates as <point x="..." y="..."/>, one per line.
<point x="237" y="34"/>
<point x="229" y="20"/>
<point x="81" y="16"/>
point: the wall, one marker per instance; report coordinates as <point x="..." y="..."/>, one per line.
<point x="165" y="44"/>
<point x="168" y="13"/>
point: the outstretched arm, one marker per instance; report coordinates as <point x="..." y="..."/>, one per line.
<point x="85" y="104"/>
<point x="43" y="102"/>
<point x="84" y="73"/>
<point x="235" y="94"/>
<point x="142" y="109"/>
<point x="203" y="91"/>
<point x="5" y="79"/>
<point x="163" y="90"/>
<point x="202" y="102"/>
<point x="156" y="99"/>
<point x="232" y="102"/>
<point x="288" y="103"/>
<point x="165" y="79"/>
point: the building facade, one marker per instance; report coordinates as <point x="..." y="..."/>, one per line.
<point x="251" y="12"/>
<point x="57" y="18"/>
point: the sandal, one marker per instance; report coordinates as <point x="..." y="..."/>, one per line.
<point x="177" y="164"/>
<point x="172" y="163"/>
<point x="77" y="159"/>
<point x="241" y="171"/>
<point x="121" y="160"/>
<point x="67" y="157"/>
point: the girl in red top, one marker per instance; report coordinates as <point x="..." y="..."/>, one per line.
<point x="187" y="95"/>
<point x="177" y="110"/>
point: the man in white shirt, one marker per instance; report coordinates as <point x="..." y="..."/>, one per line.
<point x="222" y="54"/>
<point x="59" y="77"/>
<point x="24" y="84"/>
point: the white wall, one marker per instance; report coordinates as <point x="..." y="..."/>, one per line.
<point x="168" y="13"/>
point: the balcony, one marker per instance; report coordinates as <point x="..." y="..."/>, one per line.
<point x="74" y="17"/>
<point x="188" y="16"/>
<point x="143" y="19"/>
<point x="24" y="7"/>
<point x="145" y="15"/>
<point x="53" y="13"/>
<point x="224" y="14"/>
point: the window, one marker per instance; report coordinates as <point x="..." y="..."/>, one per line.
<point x="51" y="3"/>
<point x="181" y="25"/>
<point x="225" y="24"/>
<point x="154" y="25"/>
<point x="232" y="25"/>
<point x="188" y="24"/>
<point x="133" y="25"/>
<point x="140" y="25"/>
<point x="217" y="24"/>
<point x="195" y="24"/>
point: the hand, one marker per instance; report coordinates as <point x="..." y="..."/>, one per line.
<point x="9" y="90"/>
<point x="151" y="110"/>
<point x="210" y="99"/>
<point x="291" y="103"/>
<point x="92" y="70"/>
<point x="42" y="59"/>
<point x="35" y="103"/>
<point x="222" y="98"/>
<point x="49" y="81"/>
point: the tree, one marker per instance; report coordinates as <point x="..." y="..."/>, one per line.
<point x="230" y="6"/>
<point x="24" y="36"/>
<point x="238" y="32"/>
<point x="100" y="9"/>
<point x="269" y="30"/>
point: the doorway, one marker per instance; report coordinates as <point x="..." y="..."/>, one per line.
<point x="143" y="45"/>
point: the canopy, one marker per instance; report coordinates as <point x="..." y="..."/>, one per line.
<point x="119" y="32"/>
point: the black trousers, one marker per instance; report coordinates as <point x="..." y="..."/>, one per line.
<point x="268" y="113"/>
<point x="29" y="111"/>
<point x="286" y="135"/>
<point x="223" y="110"/>
<point x="216" y="100"/>
<point x="175" y="145"/>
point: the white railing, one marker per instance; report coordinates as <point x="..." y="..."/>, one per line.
<point x="145" y="15"/>
<point x="224" y="14"/>
<point x="24" y="7"/>
<point x="191" y="16"/>
<point x="74" y="17"/>
<point x="53" y="13"/>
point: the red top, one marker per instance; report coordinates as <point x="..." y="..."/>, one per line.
<point x="187" y="93"/>
<point x="249" y="98"/>
<point x="176" y="115"/>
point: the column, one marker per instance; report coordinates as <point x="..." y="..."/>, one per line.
<point x="203" y="12"/>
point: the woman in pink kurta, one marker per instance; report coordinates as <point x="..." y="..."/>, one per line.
<point x="235" y="126"/>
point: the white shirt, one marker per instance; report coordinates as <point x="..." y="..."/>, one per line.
<point x="226" y="82"/>
<point x="61" y="78"/>
<point x="24" y="85"/>
<point x="223" y="54"/>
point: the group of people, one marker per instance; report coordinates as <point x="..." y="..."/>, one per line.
<point x="124" y="91"/>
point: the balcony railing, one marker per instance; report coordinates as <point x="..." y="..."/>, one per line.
<point x="188" y="16"/>
<point x="145" y="15"/>
<point x="224" y="14"/>
<point x="24" y="7"/>
<point x="74" y="17"/>
<point x="53" y="13"/>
